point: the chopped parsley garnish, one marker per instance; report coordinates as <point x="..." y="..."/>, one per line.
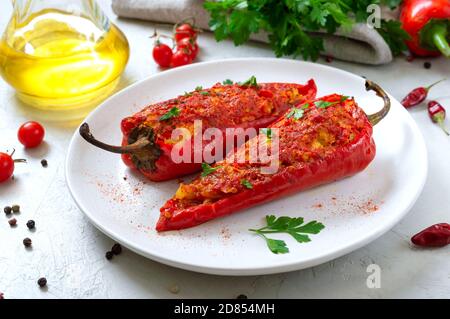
<point x="250" y="82"/>
<point x="208" y="169"/>
<point x="295" y="113"/>
<point x="324" y="104"/>
<point x="305" y="106"/>
<point x="267" y="132"/>
<point x="227" y="82"/>
<point x="344" y="98"/>
<point x="293" y="226"/>
<point x="173" y="112"/>
<point x="205" y="93"/>
<point x="246" y="184"/>
<point x="198" y="88"/>
<point x="187" y="94"/>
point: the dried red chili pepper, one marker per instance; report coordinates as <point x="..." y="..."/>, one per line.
<point x="437" y="114"/>
<point x="418" y="95"/>
<point x="437" y="235"/>
<point x="320" y="141"/>
<point x="147" y="142"/>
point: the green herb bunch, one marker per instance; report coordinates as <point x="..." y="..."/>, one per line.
<point x="290" y="23"/>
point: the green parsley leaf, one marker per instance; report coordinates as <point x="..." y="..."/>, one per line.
<point x="198" y="88"/>
<point x="208" y="169"/>
<point x="277" y="246"/>
<point x="392" y="3"/>
<point x="205" y="93"/>
<point x="227" y="82"/>
<point x="344" y="98"/>
<point x="187" y="94"/>
<point x="250" y="82"/>
<point x="294" y="226"/>
<point x="324" y="104"/>
<point x="305" y="106"/>
<point x="295" y="113"/>
<point x="267" y="132"/>
<point x="394" y="35"/>
<point x="173" y="112"/>
<point x="246" y="184"/>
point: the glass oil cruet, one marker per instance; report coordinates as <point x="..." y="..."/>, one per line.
<point x="62" y="55"/>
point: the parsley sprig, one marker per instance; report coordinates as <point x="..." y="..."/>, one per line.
<point x="324" y="104"/>
<point x="250" y="82"/>
<point x="173" y="112"/>
<point x="295" y="113"/>
<point x="289" y="23"/>
<point x="208" y="169"/>
<point x="267" y="131"/>
<point x="293" y="226"/>
<point x="246" y="183"/>
<point x="227" y="82"/>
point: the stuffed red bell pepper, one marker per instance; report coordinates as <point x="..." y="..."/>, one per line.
<point x="147" y="135"/>
<point x="428" y="24"/>
<point x="319" y="142"/>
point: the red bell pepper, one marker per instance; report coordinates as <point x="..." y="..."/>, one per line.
<point x="147" y="136"/>
<point x="319" y="142"/>
<point x="428" y="24"/>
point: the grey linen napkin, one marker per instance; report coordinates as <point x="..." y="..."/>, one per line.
<point x="361" y="44"/>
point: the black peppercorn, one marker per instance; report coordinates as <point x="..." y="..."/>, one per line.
<point x="116" y="249"/>
<point x="44" y="163"/>
<point x="31" y="224"/>
<point x="427" y="65"/>
<point x="27" y="242"/>
<point x="42" y="282"/>
<point x="109" y="255"/>
<point x="12" y="222"/>
<point x="15" y="208"/>
<point x="7" y="210"/>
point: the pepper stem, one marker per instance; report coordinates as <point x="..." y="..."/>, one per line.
<point x="127" y="149"/>
<point x="440" y="122"/>
<point x="437" y="82"/>
<point x="377" y="117"/>
<point x="439" y="38"/>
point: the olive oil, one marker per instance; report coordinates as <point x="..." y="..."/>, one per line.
<point x="60" y="61"/>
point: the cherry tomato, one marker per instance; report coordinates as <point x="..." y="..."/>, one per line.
<point x="185" y="30"/>
<point x="162" y="54"/>
<point x="6" y="167"/>
<point x="180" y="58"/>
<point x="188" y="44"/>
<point x="31" y="134"/>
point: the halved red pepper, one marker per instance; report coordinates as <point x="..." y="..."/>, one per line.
<point x="147" y="135"/>
<point x="428" y="24"/>
<point x="319" y="142"/>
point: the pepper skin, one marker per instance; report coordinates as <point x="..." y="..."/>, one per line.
<point x="330" y="141"/>
<point x="221" y="107"/>
<point x="428" y="24"/>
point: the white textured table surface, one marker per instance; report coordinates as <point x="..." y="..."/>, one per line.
<point x="69" y="251"/>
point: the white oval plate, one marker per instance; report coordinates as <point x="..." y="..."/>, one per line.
<point x="355" y="211"/>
